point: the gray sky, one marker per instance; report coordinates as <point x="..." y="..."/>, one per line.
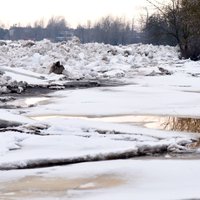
<point x="75" y="11"/>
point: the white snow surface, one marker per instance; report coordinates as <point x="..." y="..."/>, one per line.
<point x="70" y="114"/>
<point x="175" y="94"/>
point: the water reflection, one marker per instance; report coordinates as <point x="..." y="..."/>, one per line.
<point x="183" y="124"/>
<point x="35" y="100"/>
<point x="155" y="122"/>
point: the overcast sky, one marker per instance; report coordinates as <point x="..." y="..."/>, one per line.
<point x="75" y="11"/>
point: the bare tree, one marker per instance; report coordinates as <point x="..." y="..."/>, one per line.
<point x="182" y="22"/>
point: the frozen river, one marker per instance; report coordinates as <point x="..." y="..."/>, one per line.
<point x="103" y="123"/>
<point x="135" y="140"/>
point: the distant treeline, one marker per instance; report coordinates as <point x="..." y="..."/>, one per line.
<point x="107" y="30"/>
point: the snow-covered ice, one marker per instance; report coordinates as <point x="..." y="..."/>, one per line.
<point x="76" y="125"/>
<point x="122" y="179"/>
